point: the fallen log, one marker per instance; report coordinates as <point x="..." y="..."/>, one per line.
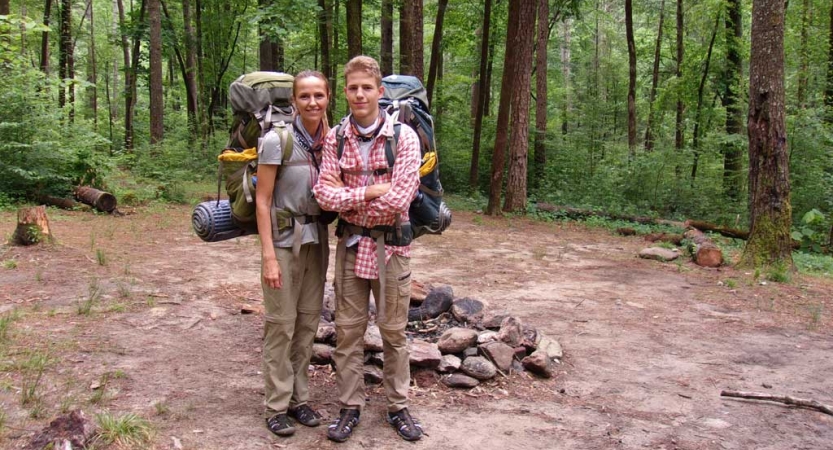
<point x="676" y="239"/>
<point x="705" y="253"/>
<point x="100" y="200"/>
<point x="65" y="203"/>
<point x="575" y="213"/>
<point x="719" y="229"/>
<point x="785" y="399"/>
<point x="32" y="226"/>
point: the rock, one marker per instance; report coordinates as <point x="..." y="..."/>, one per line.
<point x="486" y="336"/>
<point x="375" y="358"/>
<point x="424" y="378"/>
<point x="372" y="339"/>
<point x="458" y="380"/>
<point x="517" y="367"/>
<point x="500" y="354"/>
<point x="521" y="352"/>
<point x="659" y="254"/>
<point x="539" y="363"/>
<point x="73" y="430"/>
<point x="326" y="333"/>
<point x="511" y="331"/>
<point x="322" y="354"/>
<point x="425" y="354"/>
<point x="418" y="292"/>
<point x="493" y="322"/>
<point x="531" y="338"/>
<point x="551" y="348"/>
<point x="467" y="310"/>
<point x="455" y="340"/>
<point x="372" y="374"/>
<point x="449" y="363"/>
<point x="471" y="351"/>
<point x="328" y="315"/>
<point x="436" y="302"/>
<point x="478" y="367"/>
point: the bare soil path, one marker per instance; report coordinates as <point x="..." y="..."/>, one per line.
<point x="648" y="346"/>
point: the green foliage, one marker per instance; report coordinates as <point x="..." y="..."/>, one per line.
<point x="812" y="231"/>
<point x="127" y="430"/>
<point x="813" y="263"/>
<point x="6" y="321"/>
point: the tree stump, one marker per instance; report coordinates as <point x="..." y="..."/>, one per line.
<point x="705" y="253"/>
<point x="32" y="226"/>
<point x="100" y="200"/>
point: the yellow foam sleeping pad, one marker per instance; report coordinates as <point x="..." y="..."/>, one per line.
<point x="246" y="155"/>
<point x="429" y="161"/>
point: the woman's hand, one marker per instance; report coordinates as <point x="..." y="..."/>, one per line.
<point x="272" y="273"/>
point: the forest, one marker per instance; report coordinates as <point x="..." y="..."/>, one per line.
<point x="639" y="108"/>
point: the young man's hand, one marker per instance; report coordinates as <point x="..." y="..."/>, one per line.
<point x="375" y="191"/>
<point x="331" y="179"/>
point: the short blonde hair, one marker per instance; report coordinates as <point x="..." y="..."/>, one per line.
<point x="364" y="64"/>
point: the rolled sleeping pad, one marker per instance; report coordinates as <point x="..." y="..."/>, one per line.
<point x="212" y="222"/>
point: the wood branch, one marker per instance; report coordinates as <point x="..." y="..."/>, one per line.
<point x="60" y="202"/>
<point x="720" y="229"/>
<point x="787" y="400"/>
<point x="100" y="200"/>
<point x="676" y="239"/>
<point x="705" y="253"/>
<point x="576" y="213"/>
<point x="32" y="226"/>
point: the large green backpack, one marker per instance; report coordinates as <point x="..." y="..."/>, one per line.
<point x="261" y="102"/>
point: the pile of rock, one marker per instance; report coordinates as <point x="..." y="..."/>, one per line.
<point x="456" y="338"/>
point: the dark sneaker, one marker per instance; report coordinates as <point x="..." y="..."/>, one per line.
<point x="280" y="425"/>
<point x="408" y="428"/>
<point x="342" y="428"/>
<point x="305" y="415"/>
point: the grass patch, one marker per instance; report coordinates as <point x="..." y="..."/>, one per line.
<point x="101" y="257"/>
<point x="10" y="264"/>
<point x="813" y="263"/>
<point x="778" y="273"/>
<point x="128" y="430"/>
<point x="6" y="321"/>
<point x="85" y="307"/>
<point x="32" y="370"/>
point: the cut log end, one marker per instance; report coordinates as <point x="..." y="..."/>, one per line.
<point x="100" y="200"/>
<point x="32" y="226"/>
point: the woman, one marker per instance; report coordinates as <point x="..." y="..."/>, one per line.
<point x="294" y="253"/>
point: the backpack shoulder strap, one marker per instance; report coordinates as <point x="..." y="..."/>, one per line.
<point x="391" y="144"/>
<point x="340" y="137"/>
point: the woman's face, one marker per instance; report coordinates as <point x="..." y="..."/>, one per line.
<point x="311" y="99"/>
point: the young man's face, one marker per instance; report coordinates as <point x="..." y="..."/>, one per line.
<point x="363" y="97"/>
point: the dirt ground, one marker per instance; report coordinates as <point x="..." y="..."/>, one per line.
<point x="648" y="346"/>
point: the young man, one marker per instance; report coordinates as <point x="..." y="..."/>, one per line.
<point x="374" y="244"/>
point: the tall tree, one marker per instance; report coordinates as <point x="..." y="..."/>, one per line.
<point x="695" y="144"/>
<point x="631" y="76"/>
<point x="566" y="75"/>
<point x="481" y="94"/>
<point x="386" y="54"/>
<point x="436" y="48"/>
<point x="804" y="55"/>
<point x="44" y="43"/>
<point x="516" y="187"/>
<point x="649" y="131"/>
<point x="828" y="91"/>
<point x="770" y="211"/>
<point x="157" y="107"/>
<point x="4" y="7"/>
<point x="354" y="28"/>
<point x="324" y="27"/>
<point x="678" y="135"/>
<point x="190" y="74"/>
<point x="66" y="59"/>
<point x="507" y="87"/>
<point x="406" y="37"/>
<point x="543" y="30"/>
<point x="418" y="58"/>
<point x="92" y="92"/>
<point x="732" y="164"/>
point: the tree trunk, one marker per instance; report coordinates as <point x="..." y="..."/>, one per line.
<point x="333" y="26"/>
<point x="769" y="179"/>
<point x="32" y="226"/>
<point x="678" y="134"/>
<point x="417" y="47"/>
<point x="65" y="51"/>
<point x="406" y="37"/>
<point x="354" y="28"/>
<point x="44" y="42"/>
<point x="5" y="7"/>
<point x="481" y="95"/>
<point x="540" y="158"/>
<point x="566" y="62"/>
<point x="386" y="53"/>
<point x="324" y="26"/>
<point x="698" y="115"/>
<point x="804" y="56"/>
<point x="516" y="189"/>
<point x="828" y="91"/>
<point x="157" y="107"/>
<point x="92" y="92"/>
<point x="631" y="77"/>
<point x="190" y="75"/>
<point x="705" y="253"/>
<point x="130" y="89"/>
<point x="102" y="201"/>
<point x="266" y="61"/>
<point x="436" y="48"/>
<point x="507" y="87"/>
<point x="732" y="164"/>
<point x="649" y="131"/>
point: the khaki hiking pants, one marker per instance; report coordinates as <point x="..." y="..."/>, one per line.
<point x="291" y="321"/>
<point x="352" y="300"/>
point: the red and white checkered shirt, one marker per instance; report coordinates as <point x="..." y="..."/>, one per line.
<point x="349" y="201"/>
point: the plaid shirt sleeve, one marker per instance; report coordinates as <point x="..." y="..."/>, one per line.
<point x="404" y="180"/>
<point x="335" y="199"/>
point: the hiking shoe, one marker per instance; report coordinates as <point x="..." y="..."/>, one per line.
<point x="342" y="428"/>
<point x="408" y="428"/>
<point x="280" y="425"/>
<point x="305" y="415"/>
